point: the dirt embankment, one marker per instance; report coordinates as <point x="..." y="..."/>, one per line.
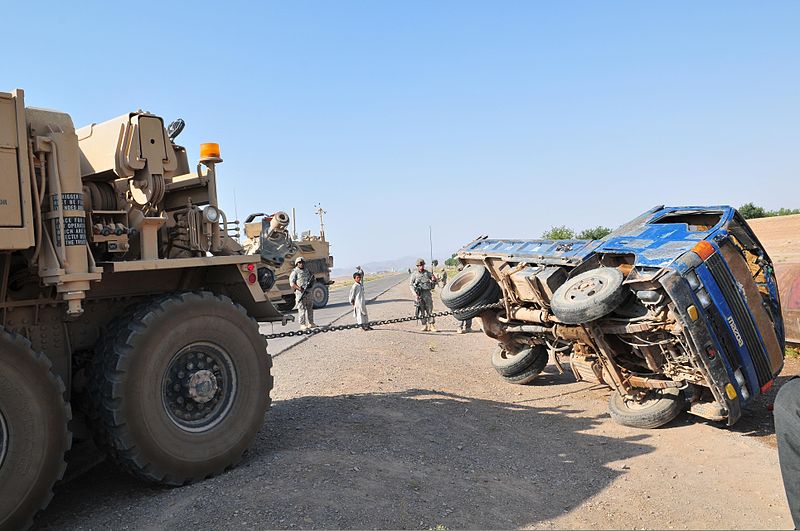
<point x="780" y="235"/>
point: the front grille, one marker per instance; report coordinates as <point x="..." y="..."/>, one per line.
<point x="728" y="342"/>
<point x="741" y="315"/>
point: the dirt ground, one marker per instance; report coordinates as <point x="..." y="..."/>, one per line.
<point x="398" y="428"/>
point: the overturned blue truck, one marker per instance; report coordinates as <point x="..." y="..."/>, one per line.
<point x="677" y="309"/>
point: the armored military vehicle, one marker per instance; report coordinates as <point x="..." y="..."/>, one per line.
<point x="128" y="313"/>
<point x="314" y="249"/>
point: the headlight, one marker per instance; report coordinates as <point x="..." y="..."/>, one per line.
<point x="691" y="278"/>
<point x="211" y="214"/>
<point x="704" y="298"/>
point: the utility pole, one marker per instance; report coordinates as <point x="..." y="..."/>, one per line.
<point x="430" y="239"/>
<point x="321" y="222"/>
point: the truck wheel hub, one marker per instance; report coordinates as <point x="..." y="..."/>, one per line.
<point x="585" y="289"/>
<point x="199" y="386"/>
<point x="202" y="386"/>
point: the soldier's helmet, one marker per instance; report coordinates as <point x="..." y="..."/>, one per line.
<point x="298" y="260"/>
<point x="420" y="261"/>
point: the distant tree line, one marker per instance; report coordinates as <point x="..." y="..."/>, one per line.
<point x="752" y="211"/>
<point x="563" y="232"/>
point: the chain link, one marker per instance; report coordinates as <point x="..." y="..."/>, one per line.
<point x="380" y="322"/>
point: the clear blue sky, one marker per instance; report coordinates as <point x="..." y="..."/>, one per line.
<point x="499" y="118"/>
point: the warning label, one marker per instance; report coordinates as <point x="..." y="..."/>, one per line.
<point x="69" y="201"/>
<point x="74" y="230"/>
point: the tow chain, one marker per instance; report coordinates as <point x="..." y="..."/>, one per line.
<point x="336" y="328"/>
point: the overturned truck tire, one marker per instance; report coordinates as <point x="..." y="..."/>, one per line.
<point x="180" y="388"/>
<point x="657" y="408"/>
<point x="467" y="287"/>
<point x="521" y="367"/>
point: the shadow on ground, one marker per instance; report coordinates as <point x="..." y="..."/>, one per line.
<point x="413" y="459"/>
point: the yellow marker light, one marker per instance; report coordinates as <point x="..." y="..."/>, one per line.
<point x="703" y="249"/>
<point x="692" y="311"/>
<point x="209" y="150"/>
<point x="730" y="391"/>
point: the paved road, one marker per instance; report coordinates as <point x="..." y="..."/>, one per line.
<point x="338" y="307"/>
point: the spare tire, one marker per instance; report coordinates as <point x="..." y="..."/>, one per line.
<point x="589" y="296"/>
<point x="466" y="287"/>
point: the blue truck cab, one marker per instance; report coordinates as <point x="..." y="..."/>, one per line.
<point x="676" y="309"/>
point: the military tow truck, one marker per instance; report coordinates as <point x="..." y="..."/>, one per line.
<point x="128" y="313"/>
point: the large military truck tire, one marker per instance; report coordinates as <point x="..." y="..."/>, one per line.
<point x="466" y="287"/>
<point x="34" y="435"/>
<point x="181" y="388"/>
<point x="589" y="296"/>
<point x="659" y="407"/>
<point x="319" y="295"/>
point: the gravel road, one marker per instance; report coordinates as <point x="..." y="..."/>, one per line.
<point x="398" y="428"/>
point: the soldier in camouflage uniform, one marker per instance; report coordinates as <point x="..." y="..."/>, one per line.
<point x="301" y="281"/>
<point x="422" y="282"/>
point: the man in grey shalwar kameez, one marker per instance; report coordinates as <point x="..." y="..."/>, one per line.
<point x="359" y="302"/>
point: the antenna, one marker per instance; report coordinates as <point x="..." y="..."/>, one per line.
<point x="321" y="221"/>
<point x="294" y="224"/>
<point x="235" y="211"/>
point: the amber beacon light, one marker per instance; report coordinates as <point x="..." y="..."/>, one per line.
<point x="209" y="150"/>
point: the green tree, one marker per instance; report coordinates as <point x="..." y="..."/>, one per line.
<point x="597" y="233"/>
<point x="559" y="233"/>
<point x="452" y="261"/>
<point x="751" y="211"/>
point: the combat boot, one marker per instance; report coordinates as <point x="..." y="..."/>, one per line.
<point x="432" y="329"/>
<point x="425" y="328"/>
